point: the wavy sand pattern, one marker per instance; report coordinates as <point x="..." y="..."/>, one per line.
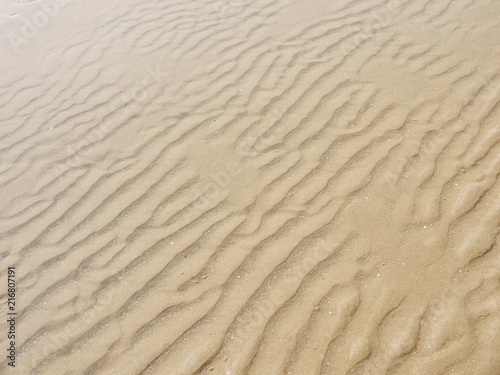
<point x="251" y="186"/>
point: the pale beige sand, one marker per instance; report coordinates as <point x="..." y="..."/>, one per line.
<point x="251" y="186"/>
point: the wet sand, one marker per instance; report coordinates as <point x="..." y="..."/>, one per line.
<point x="251" y="187"/>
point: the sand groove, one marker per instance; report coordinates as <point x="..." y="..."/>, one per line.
<point x="253" y="187"/>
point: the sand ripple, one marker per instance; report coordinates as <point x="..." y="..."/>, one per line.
<point x="251" y="186"/>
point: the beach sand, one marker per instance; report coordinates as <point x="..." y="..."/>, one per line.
<point x="250" y="187"/>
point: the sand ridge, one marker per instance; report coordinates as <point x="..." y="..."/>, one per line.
<point x="251" y="187"/>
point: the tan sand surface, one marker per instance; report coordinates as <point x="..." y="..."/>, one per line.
<point x="250" y="186"/>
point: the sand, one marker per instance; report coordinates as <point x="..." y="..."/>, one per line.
<point x="250" y="187"/>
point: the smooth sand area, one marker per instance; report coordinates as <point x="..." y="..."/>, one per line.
<point x="257" y="187"/>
